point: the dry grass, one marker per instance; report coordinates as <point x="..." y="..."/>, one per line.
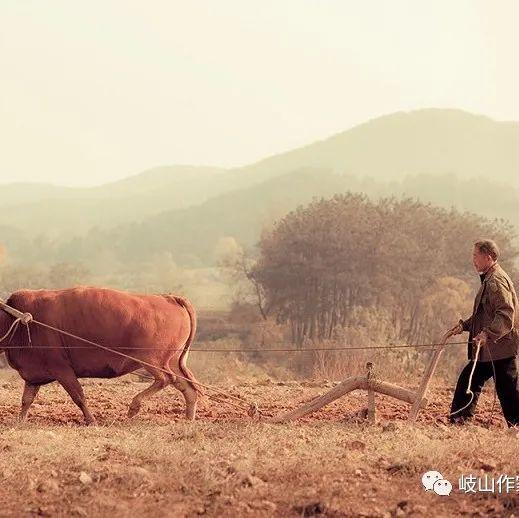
<point x="230" y="469"/>
<point x="224" y="464"/>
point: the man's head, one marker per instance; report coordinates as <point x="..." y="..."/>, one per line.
<point x="484" y="255"/>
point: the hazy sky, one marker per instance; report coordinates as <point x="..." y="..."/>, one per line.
<point x="95" y="91"/>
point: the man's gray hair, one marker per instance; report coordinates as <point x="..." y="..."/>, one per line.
<point x="489" y="247"/>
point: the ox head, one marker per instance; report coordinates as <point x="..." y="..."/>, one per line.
<point x="10" y="319"/>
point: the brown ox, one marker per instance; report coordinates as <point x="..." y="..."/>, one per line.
<point x="157" y="329"/>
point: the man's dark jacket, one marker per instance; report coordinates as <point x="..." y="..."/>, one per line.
<point x="496" y="311"/>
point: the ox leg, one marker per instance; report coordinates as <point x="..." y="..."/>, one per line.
<point x="160" y="382"/>
<point x="190" y="395"/>
<point x="71" y="384"/>
<point x="29" y="393"/>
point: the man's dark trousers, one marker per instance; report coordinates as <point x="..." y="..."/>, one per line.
<point x="506" y="383"/>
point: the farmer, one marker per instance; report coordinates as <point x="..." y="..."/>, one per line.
<point x="495" y="325"/>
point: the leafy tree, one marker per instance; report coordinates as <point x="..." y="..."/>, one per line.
<point x="321" y="261"/>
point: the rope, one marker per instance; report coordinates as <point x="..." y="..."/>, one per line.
<point x="469" y="390"/>
<point x="215" y="398"/>
<point x="354" y="348"/>
<point x="252" y="410"/>
<point x="13" y="325"/>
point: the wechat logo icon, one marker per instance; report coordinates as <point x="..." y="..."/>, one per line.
<point x="434" y="481"/>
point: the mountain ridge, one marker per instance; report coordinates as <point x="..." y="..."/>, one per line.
<point x="389" y="148"/>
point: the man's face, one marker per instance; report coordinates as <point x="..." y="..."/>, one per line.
<point x="481" y="261"/>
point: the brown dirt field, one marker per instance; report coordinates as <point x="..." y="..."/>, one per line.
<point x="226" y="464"/>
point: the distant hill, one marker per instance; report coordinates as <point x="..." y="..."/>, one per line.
<point x="430" y="141"/>
<point x="192" y="235"/>
<point x="155" y="181"/>
<point x="194" y="232"/>
<point x="53" y="210"/>
<point x="434" y="142"/>
<point x="150" y="181"/>
<point x="448" y="157"/>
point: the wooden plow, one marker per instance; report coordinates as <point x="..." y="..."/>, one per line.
<point x="417" y="399"/>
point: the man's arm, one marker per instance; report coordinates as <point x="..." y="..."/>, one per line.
<point x="501" y="301"/>
<point x="460" y="327"/>
<point x="466" y="324"/>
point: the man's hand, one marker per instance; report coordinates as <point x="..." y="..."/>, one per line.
<point x="456" y="330"/>
<point x="481" y="337"/>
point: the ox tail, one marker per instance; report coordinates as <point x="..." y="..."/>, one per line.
<point x="185" y="352"/>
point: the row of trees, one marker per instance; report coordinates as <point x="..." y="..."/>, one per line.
<point x="59" y="275"/>
<point x="408" y="262"/>
<point x="409" y="259"/>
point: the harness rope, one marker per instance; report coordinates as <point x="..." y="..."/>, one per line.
<point x="252" y="409"/>
<point x="14" y="326"/>
<point x="353" y="348"/>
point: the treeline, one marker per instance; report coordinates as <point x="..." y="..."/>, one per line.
<point x="192" y="235"/>
<point x="56" y="276"/>
<point x="409" y="261"/>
